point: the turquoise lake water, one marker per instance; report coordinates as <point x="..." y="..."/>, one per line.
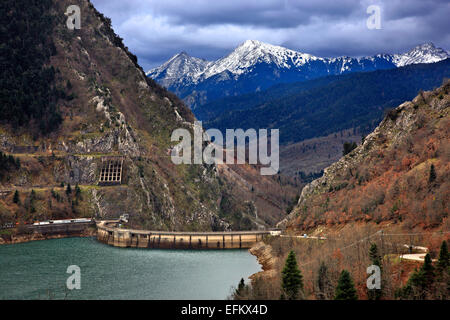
<point x="37" y="270"/>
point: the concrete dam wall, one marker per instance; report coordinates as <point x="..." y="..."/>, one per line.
<point x="109" y="234"/>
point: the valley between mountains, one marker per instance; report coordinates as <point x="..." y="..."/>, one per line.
<point x="364" y="171"/>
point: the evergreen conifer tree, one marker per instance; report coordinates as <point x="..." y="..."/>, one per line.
<point x="345" y="289"/>
<point x="444" y="258"/>
<point x="16" y="198"/>
<point x="432" y="174"/>
<point x="374" y="294"/>
<point x="292" y="279"/>
<point x="77" y="192"/>
<point x="68" y="189"/>
<point x="348" y="147"/>
<point x="443" y="273"/>
<point x="420" y="282"/>
<point x="428" y="271"/>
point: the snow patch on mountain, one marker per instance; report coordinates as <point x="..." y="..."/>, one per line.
<point x="255" y="65"/>
<point x="181" y="67"/>
<point x="424" y="53"/>
<point x="252" y="52"/>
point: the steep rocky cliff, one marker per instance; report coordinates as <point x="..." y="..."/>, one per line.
<point x="104" y="105"/>
<point x="399" y="174"/>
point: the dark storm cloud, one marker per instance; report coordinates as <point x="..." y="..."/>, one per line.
<point x="398" y="9"/>
<point x="156" y="30"/>
<point x="262" y="13"/>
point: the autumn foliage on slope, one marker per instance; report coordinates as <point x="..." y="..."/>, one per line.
<point x="400" y="173"/>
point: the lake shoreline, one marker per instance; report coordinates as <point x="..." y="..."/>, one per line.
<point x="36" y="236"/>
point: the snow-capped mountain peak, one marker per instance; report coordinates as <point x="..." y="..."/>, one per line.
<point x="424" y="53"/>
<point x="252" y="52"/>
<point x="255" y="65"/>
<point x="180" y="67"/>
<point x="239" y="61"/>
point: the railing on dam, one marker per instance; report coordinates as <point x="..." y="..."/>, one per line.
<point x="108" y="233"/>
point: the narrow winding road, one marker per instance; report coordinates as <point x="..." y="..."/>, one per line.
<point x="415" y="256"/>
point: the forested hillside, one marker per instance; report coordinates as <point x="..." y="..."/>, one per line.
<point x="29" y="93"/>
<point x="385" y="203"/>
<point x="324" y="106"/>
<point x="399" y="175"/>
<point x="72" y="99"/>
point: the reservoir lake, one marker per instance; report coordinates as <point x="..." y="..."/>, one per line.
<point x="38" y="270"/>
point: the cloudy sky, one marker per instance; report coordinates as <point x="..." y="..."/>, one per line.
<point x="155" y="30"/>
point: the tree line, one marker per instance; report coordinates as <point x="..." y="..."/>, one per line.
<point x="431" y="281"/>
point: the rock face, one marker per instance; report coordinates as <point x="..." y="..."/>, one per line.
<point x="267" y="260"/>
<point x="109" y="108"/>
<point x="81" y="170"/>
<point x="387" y="177"/>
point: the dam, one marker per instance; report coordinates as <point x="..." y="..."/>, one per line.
<point x="109" y="233"/>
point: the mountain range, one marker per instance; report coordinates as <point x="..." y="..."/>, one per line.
<point x="319" y="107"/>
<point x="255" y="66"/>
